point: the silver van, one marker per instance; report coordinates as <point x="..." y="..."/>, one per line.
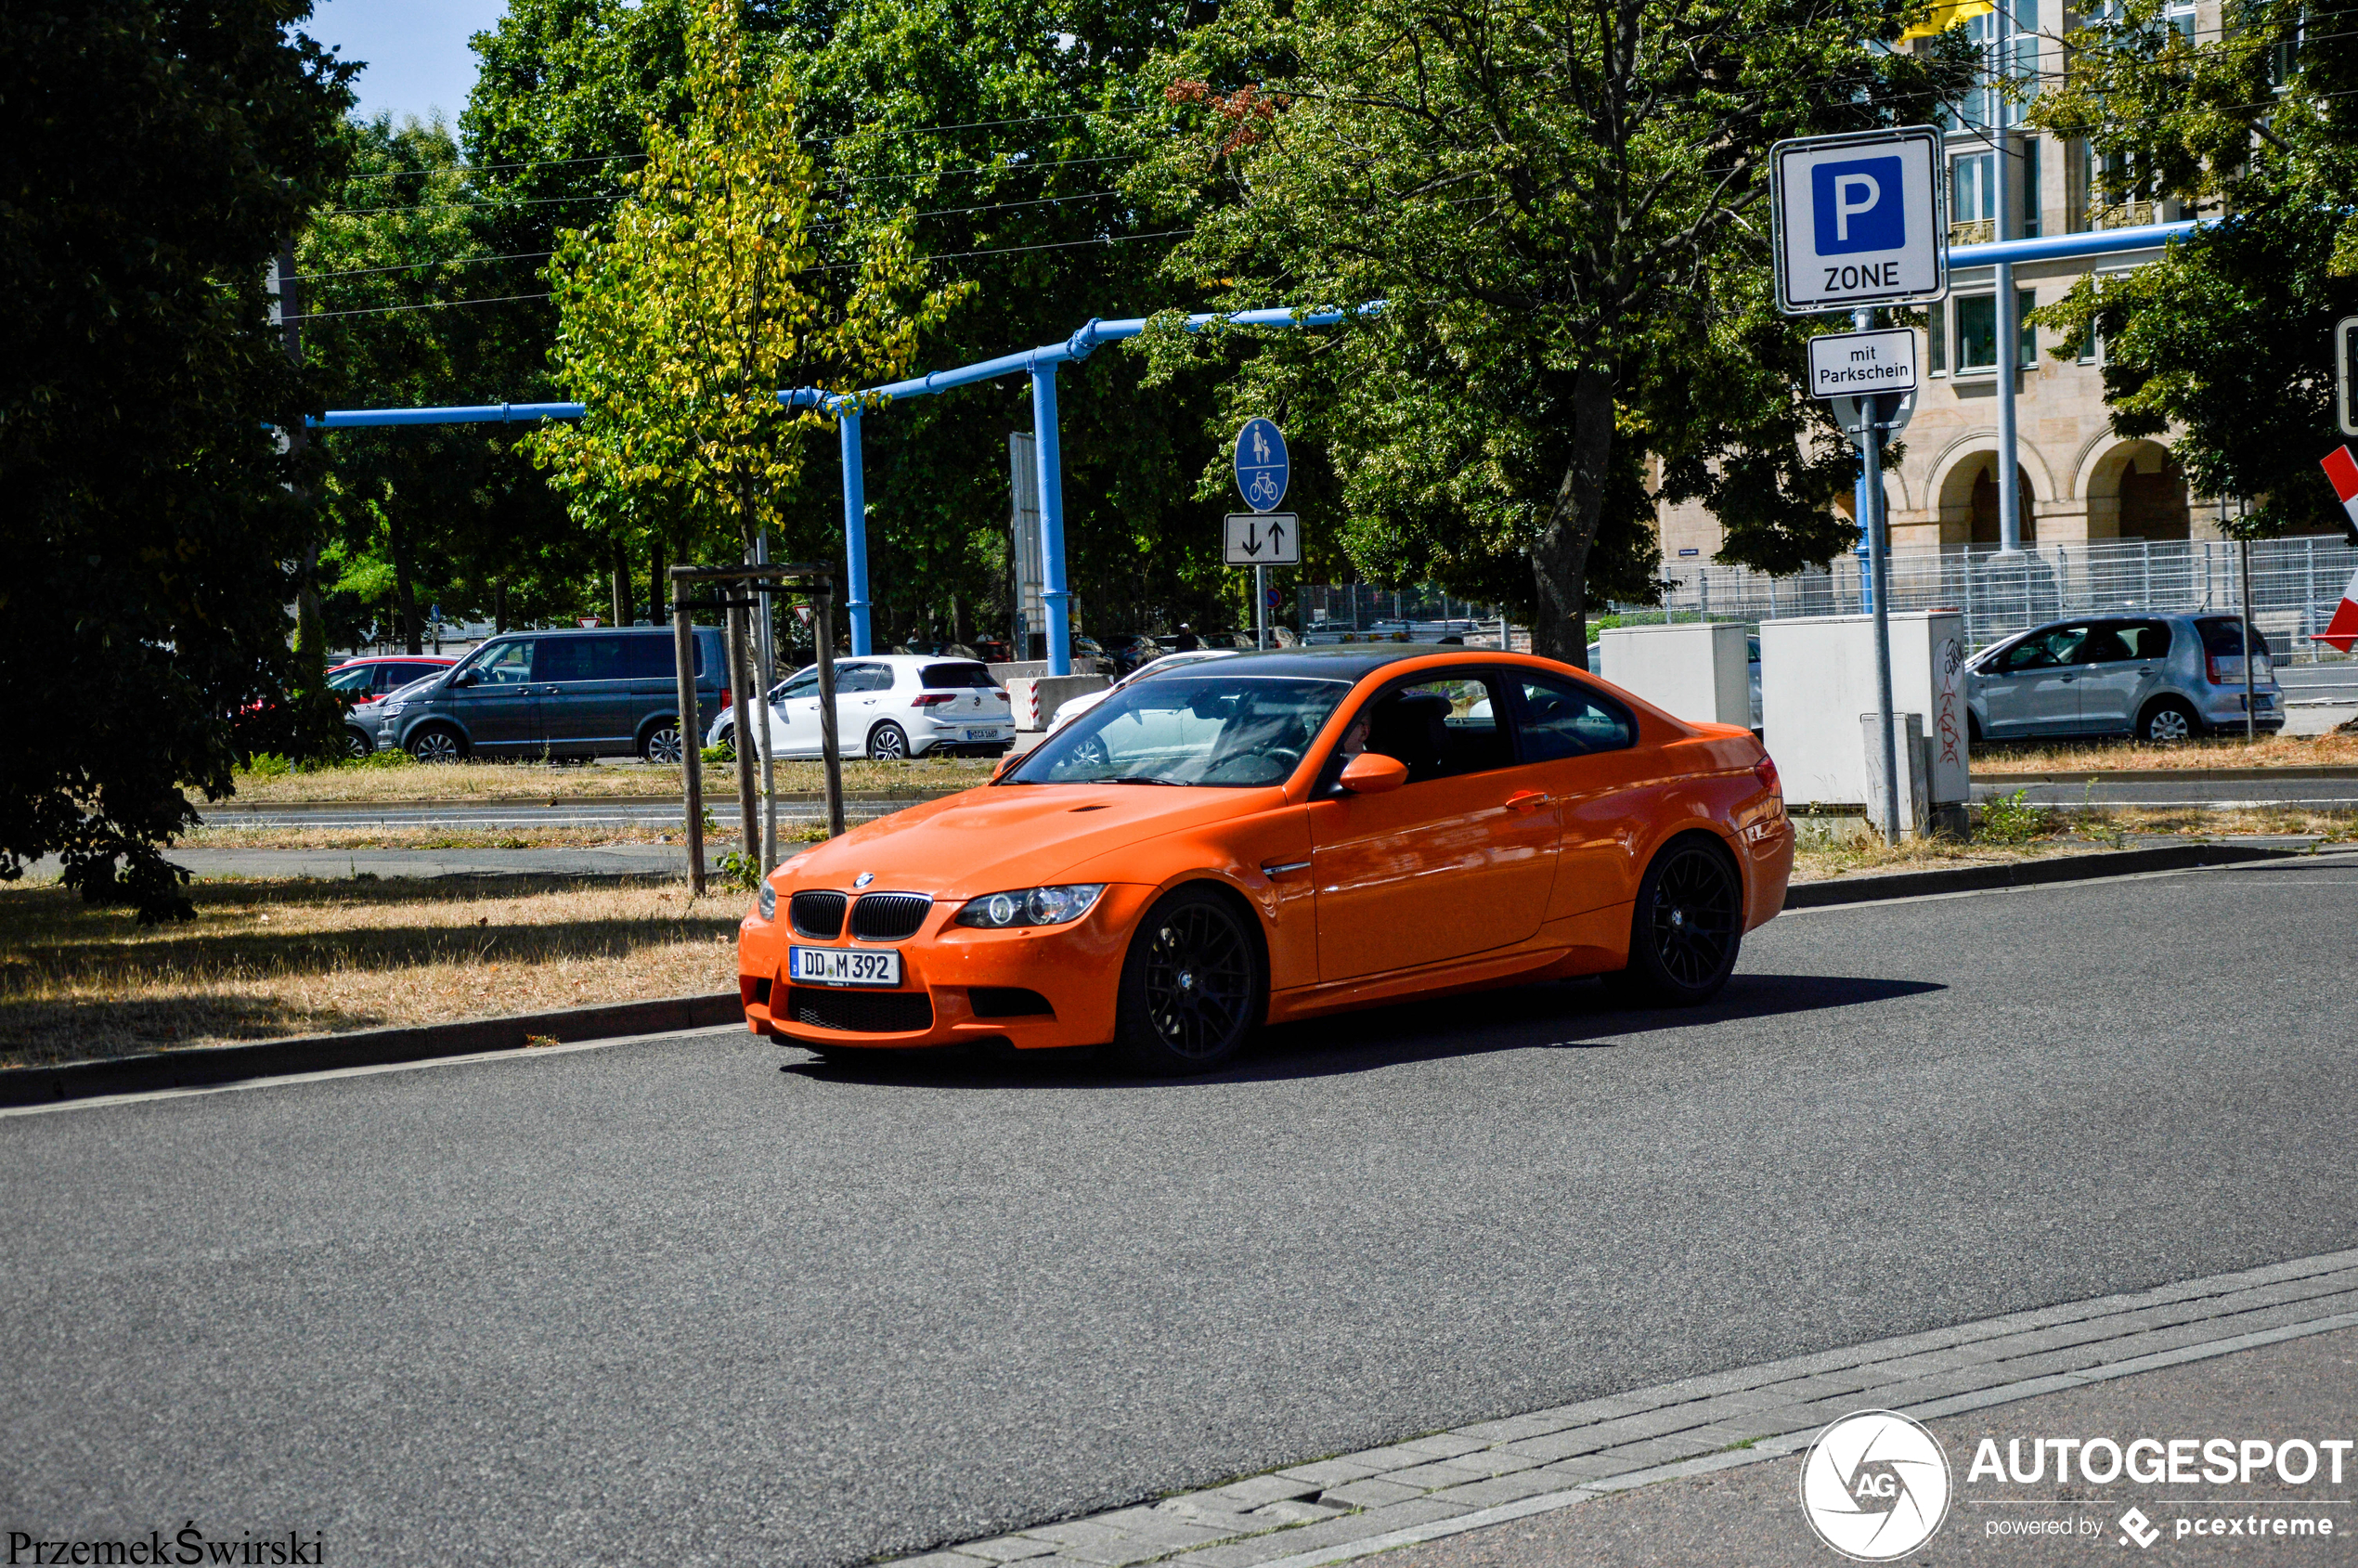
<point x="2157" y="677"/>
<point x="557" y="693"/>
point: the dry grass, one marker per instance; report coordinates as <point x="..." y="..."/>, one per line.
<point x="536" y="781"/>
<point x="560" y="836"/>
<point x="2104" y="757"/>
<point x="264" y="959"/>
<point x="2074" y="833"/>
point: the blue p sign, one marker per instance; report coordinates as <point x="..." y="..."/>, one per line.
<point x="1857" y="206"/>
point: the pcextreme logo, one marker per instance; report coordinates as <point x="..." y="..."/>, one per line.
<point x="1875" y="1485"/>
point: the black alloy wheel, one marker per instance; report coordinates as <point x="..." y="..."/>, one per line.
<point x="1686" y="927"/>
<point x="1193" y="987"/>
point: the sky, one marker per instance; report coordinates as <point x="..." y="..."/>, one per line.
<point x="417" y="51"/>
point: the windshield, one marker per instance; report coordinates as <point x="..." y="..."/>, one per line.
<point x="1185" y="727"/>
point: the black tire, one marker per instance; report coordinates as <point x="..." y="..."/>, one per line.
<point x="662" y="741"/>
<point x="1686" y="927"/>
<point x="1194" y="985"/>
<point x="356" y="745"/>
<point x="2167" y="722"/>
<point x="436" y="743"/>
<point x="1972" y="731"/>
<point x="888" y="742"/>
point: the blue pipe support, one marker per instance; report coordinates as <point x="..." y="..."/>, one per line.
<point x="1053" y="592"/>
<point x="855" y="531"/>
<point x="2067" y="247"/>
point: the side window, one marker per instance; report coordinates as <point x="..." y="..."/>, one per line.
<point x="510" y="664"/>
<point x="2106" y="645"/>
<point x="851" y="678"/>
<point x="1558" y="718"/>
<point x="352" y="679"/>
<point x="2146" y="639"/>
<point x="2046" y="649"/>
<point x="1439" y="728"/>
<point x="579" y="658"/>
<point x="649" y="658"/>
<point x="803" y="685"/>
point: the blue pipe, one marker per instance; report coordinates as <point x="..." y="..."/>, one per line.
<point x="2064" y="247"/>
<point x="1053" y="592"/>
<point x="474" y="413"/>
<point x="855" y="531"/>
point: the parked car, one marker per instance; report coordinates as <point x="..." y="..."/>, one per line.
<point x="367" y="680"/>
<point x="2157" y="677"/>
<point x="556" y="693"/>
<point x="889" y="707"/>
<point x="1073" y="707"/>
<point x="1335" y="829"/>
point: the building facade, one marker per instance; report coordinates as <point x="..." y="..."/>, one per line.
<point x="2079" y="482"/>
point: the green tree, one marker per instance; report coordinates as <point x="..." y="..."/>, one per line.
<point x="2226" y="340"/>
<point x="159" y="154"/>
<point x="404" y="306"/>
<point x="711" y="292"/>
<point x="1561" y="203"/>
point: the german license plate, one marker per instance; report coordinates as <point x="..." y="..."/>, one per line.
<point x="980" y="735"/>
<point x="840" y="965"/>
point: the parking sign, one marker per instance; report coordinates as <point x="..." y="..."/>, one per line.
<point x="1861" y="220"/>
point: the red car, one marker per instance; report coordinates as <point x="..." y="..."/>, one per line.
<point x="361" y="681"/>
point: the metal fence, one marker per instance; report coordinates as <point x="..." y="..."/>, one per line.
<point x="2295" y="586"/>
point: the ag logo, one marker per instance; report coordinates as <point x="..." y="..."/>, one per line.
<point x="1875" y="1485"/>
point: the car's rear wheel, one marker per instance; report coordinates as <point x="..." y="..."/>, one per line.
<point x="888" y="742"/>
<point x="1687" y="926"/>
<point x="1193" y="986"/>
<point x="437" y="742"/>
<point x="2168" y="721"/>
<point x="662" y="743"/>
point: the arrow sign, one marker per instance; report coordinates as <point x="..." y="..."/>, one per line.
<point x="1262" y="468"/>
<point x="1264" y="539"/>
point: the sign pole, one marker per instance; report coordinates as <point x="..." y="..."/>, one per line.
<point x="1870" y="447"/>
<point x="1261" y="606"/>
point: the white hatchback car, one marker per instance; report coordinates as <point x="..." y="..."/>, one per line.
<point x="1073" y="707"/>
<point x="889" y="707"/>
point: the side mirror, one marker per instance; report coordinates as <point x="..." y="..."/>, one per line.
<point x="1005" y="762"/>
<point x="1373" y="774"/>
<point x="464" y="677"/>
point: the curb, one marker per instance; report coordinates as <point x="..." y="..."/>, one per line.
<point x="2027" y="873"/>
<point x="2173" y="775"/>
<point x="785" y="797"/>
<point x="202" y="1066"/>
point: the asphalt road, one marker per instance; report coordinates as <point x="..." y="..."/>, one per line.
<point x="706" y="1301"/>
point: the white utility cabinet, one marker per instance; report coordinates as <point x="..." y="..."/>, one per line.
<point x="1818" y="677"/>
<point x="1700" y="671"/>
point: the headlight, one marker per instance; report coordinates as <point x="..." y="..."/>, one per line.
<point x="767" y="901"/>
<point x="1030" y="906"/>
<point x="390" y="709"/>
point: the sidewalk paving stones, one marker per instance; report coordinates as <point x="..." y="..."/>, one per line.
<point x="1328" y="1510"/>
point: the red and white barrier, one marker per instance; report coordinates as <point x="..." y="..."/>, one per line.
<point x="2342" y="630"/>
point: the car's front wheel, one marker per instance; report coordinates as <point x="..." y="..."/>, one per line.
<point x="356" y="745"/>
<point x="1687" y="926"/>
<point x="1193" y="987"/>
<point x="437" y="742"/>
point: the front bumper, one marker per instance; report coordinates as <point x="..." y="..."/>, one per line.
<point x="958" y="983"/>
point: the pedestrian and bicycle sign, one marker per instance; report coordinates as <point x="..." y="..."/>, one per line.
<point x="1861" y="220"/>
<point x="1264" y="539"/>
<point x="1261" y="469"/>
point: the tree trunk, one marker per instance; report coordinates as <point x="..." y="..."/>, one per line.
<point x="961" y="629"/>
<point x="657" y="599"/>
<point x="500" y="605"/>
<point x="405" y="591"/>
<point x="621" y="584"/>
<point x="1560" y="559"/>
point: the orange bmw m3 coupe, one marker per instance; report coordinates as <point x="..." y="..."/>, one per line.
<point x="1275" y="836"/>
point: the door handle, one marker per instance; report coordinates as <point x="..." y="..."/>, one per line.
<point x="1526" y="800"/>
